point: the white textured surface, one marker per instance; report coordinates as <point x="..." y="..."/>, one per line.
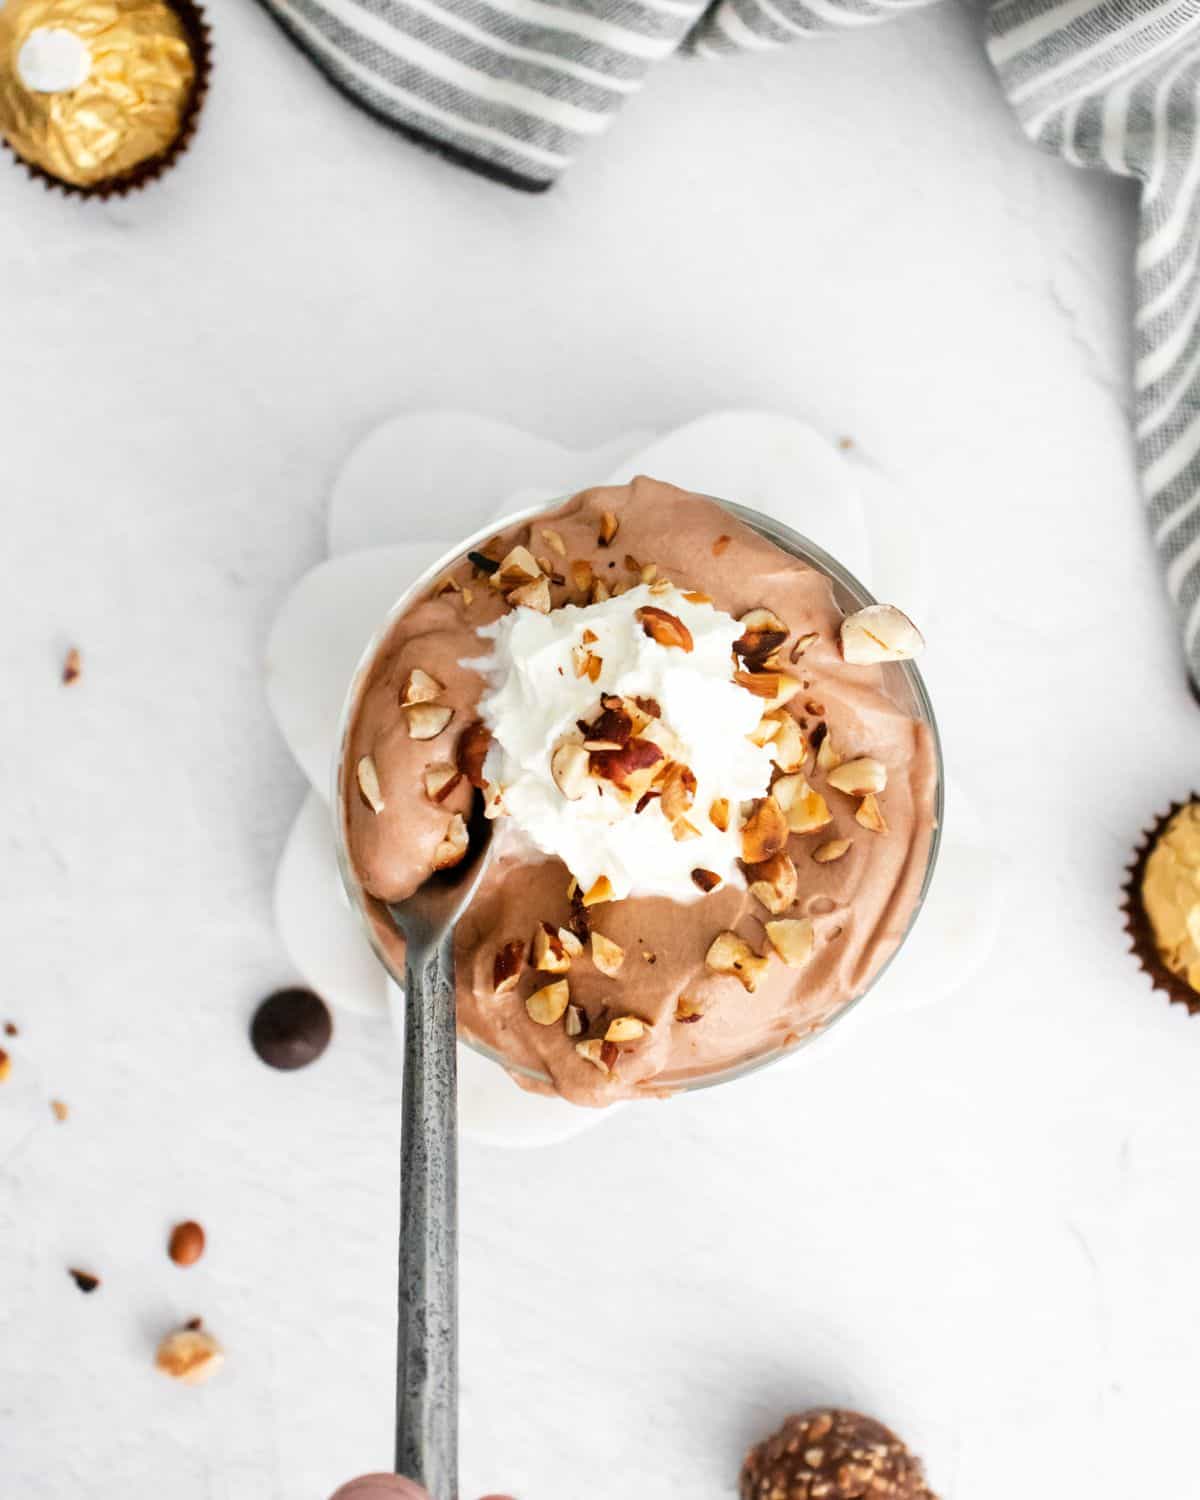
<point x="975" y="1220"/>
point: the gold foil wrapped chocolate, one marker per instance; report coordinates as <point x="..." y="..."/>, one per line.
<point x="97" y="93"/>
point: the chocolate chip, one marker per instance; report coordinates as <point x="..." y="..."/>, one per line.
<point x="84" y="1280"/>
<point x="485" y="564"/>
<point x="291" y="1028"/>
<point x="10" y="1028"/>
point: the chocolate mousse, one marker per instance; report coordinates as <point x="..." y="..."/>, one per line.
<point x="713" y="815"/>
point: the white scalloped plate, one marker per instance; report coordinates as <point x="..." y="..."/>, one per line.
<point x="422" y="479"/>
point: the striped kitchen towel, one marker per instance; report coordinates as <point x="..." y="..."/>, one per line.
<point x="514" y="87"/>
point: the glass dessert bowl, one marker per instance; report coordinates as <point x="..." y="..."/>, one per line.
<point x="714" y="777"/>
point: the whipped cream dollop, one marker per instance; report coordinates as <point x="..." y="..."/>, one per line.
<point x="536" y="699"/>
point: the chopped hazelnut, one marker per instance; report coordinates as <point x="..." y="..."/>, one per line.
<point x="625" y="1029"/>
<point x="508" y="966"/>
<point x="549" y="951"/>
<point x="569" y="768"/>
<point x="518" y="569"/>
<point x="368" y="784"/>
<point x="535" y="596"/>
<point x="870" y="815"/>
<point x="440" y="781"/>
<point x="803" y="645"/>
<point x="426" y="721"/>
<point x="858" y="777"/>
<point x="665" y="628"/>
<point x="730" y="954"/>
<point x="608" y="528"/>
<point x="765" y="831"/>
<point x="607" y="955"/>
<point x="834" y="849"/>
<point x="191" y="1355"/>
<point x="776" y="688"/>
<point x="630" y="766"/>
<point x="600" y="891"/>
<point x="879" y="633"/>
<point x="570" y="942"/>
<point x="705" y="880"/>
<point x="793" y="940"/>
<point x="554" y="540"/>
<point x="774" y="882"/>
<point x="763" y="632"/>
<point x="718" y="813"/>
<point x="598" y="1052"/>
<point x="678" y="791"/>
<point x="788" y="750"/>
<point x="453" y="845"/>
<point x="827" y="757"/>
<point x="420" y="687"/>
<point x="546" y="1006"/>
<point x="805" y="809"/>
<point x="765" y="730"/>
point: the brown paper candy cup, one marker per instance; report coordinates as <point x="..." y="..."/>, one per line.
<point x="1137" y="923"/>
<point x="199" y="38"/>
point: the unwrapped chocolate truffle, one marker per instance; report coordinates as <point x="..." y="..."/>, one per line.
<point x="832" y="1455"/>
<point x="98" y="96"/>
<point x="1162" y="904"/>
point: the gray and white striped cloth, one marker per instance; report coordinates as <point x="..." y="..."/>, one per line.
<point x="513" y="88"/>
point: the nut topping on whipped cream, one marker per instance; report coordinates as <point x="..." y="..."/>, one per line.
<point x="608" y="781"/>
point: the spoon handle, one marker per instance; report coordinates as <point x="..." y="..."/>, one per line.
<point x="427" y="1342"/>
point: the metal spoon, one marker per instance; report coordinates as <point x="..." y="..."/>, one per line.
<point x="427" y="1339"/>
